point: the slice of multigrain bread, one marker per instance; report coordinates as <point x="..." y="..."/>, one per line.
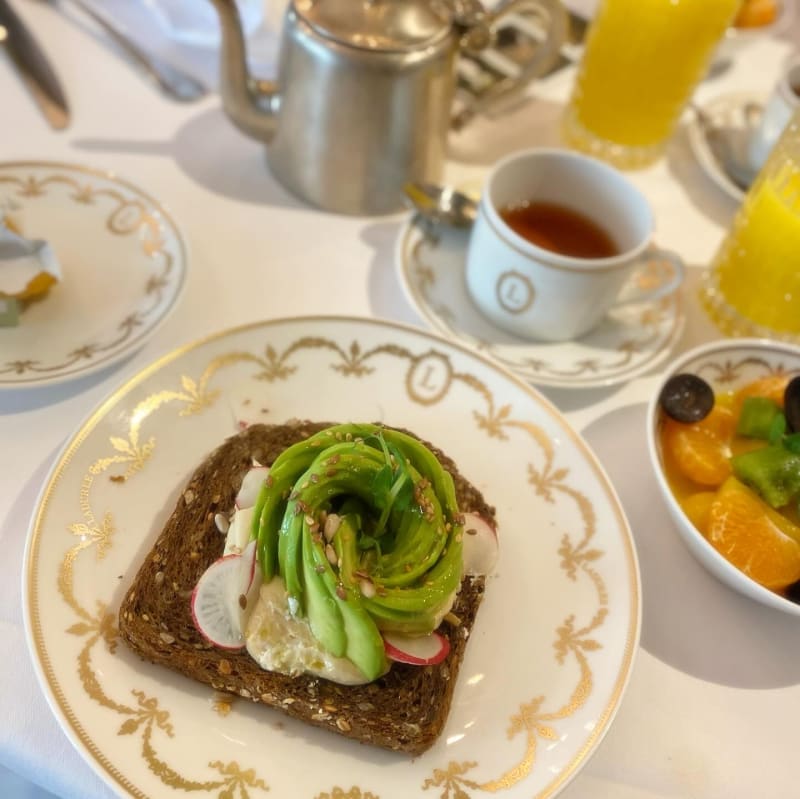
<point x="404" y="710"/>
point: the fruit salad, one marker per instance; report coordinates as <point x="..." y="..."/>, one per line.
<point x="732" y="461"/>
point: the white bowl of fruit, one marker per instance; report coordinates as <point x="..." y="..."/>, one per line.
<point x="723" y="432"/>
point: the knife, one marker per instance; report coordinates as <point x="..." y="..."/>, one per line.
<point x="34" y="67"/>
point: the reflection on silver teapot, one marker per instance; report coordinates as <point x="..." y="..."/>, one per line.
<point x="364" y="97"/>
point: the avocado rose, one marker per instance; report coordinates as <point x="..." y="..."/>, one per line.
<point x="362" y="524"/>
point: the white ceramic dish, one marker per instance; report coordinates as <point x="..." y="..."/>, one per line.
<point x="726" y="365"/>
<point x="123" y="263"/>
<point x="555" y="638"/>
<point x="727" y="112"/>
<point x="631" y="340"/>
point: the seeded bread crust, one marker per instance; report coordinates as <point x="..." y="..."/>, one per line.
<point x="405" y="710"/>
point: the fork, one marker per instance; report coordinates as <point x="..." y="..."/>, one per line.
<point x="177" y="84"/>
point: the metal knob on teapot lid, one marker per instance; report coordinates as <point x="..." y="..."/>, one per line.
<point x="382" y="25"/>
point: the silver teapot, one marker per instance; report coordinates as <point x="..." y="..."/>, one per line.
<point x="363" y="100"/>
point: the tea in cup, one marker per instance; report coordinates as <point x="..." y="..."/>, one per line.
<point x="560" y="240"/>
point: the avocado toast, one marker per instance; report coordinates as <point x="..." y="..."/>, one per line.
<point x="403" y="709"/>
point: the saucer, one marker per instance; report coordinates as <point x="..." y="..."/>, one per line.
<point x="630" y="341"/>
<point x="725" y="112"/>
<point x="123" y="261"/>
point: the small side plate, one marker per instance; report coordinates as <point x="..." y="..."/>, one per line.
<point x="123" y="263"/>
<point x="723" y="112"/>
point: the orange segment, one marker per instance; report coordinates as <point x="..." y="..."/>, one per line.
<point x="772" y="387"/>
<point x="701" y="451"/>
<point x="753" y="537"/>
<point x="698" y="508"/>
<point x="755" y="13"/>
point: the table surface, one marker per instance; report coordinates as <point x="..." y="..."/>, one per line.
<point x="708" y="708"/>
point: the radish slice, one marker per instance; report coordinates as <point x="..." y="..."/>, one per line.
<point x="238" y="534"/>
<point x="480" y="545"/>
<point x="251" y="487"/>
<point x="421" y="650"/>
<point x="223" y="597"/>
<point x="249" y="584"/>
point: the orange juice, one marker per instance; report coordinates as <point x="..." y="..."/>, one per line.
<point x="642" y="60"/>
<point x="756" y="273"/>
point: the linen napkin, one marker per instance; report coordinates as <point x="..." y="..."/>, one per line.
<point x="27" y="268"/>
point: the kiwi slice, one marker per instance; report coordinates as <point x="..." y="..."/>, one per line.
<point x="772" y="471"/>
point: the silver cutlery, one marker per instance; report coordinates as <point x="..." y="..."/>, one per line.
<point x="442" y="204"/>
<point x="34" y="67"/>
<point x="174" y="82"/>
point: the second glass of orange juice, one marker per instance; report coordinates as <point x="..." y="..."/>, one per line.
<point x="752" y="288"/>
<point x="641" y="63"/>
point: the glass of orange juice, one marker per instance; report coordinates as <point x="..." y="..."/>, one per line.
<point x="752" y="287"/>
<point x="640" y="65"/>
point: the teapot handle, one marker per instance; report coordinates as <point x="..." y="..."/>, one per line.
<point x="545" y="55"/>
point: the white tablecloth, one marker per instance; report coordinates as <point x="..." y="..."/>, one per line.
<point x="711" y="707"/>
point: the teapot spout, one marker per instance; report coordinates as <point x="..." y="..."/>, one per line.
<point x="251" y="104"/>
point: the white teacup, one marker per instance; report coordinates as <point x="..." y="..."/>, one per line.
<point x="535" y="293"/>
<point x="780" y="106"/>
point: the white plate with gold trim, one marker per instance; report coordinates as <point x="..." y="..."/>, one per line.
<point x="630" y="341"/>
<point x="123" y="263"/>
<point x="555" y="638"/>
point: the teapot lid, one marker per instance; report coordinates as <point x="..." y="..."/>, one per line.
<point x="380" y="25"/>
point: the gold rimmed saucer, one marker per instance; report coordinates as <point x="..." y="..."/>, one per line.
<point x="630" y="341"/>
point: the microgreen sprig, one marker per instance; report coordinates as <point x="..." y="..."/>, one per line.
<point x="392" y="487"/>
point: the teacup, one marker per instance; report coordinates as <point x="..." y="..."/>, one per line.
<point x="780" y="106"/>
<point x="538" y="293"/>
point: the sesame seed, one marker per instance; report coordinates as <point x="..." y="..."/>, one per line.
<point x="332" y="523"/>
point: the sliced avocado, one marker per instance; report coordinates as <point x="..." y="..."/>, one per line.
<point x="324" y="615"/>
<point x="364" y="642"/>
<point x="773" y="472"/>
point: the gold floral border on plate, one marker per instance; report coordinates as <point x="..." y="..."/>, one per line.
<point x="132" y="212"/>
<point x="420" y="240"/>
<point x="128" y="456"/>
